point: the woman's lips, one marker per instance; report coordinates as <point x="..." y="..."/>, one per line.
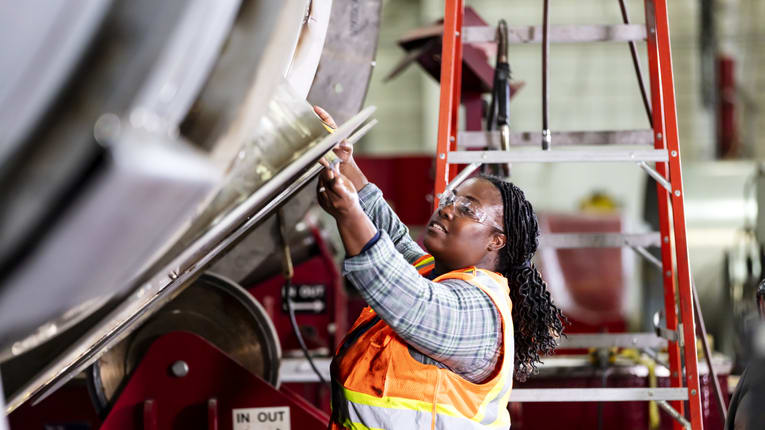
<point x="436" y="226"/>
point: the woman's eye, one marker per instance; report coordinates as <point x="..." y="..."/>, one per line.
<point x="467" y="210"/>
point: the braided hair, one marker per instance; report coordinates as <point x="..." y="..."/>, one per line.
<point x="537" y="321"/>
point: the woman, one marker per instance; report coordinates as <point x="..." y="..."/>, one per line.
<point x="433" y="349"/>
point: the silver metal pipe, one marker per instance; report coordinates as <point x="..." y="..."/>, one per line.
<point x="546" y="138"/>
<point x="656" y="176"/>
<point x="673" y="413"/>
<point x="183" y="269"/>
<point x="470" y="168"/>
<point x="648" y="256"/>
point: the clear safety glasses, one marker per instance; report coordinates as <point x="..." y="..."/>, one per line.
<point x="468" y="208"/>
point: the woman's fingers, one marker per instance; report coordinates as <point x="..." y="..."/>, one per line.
<point x="325" y="116"/>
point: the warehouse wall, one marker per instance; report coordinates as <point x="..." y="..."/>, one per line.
<point x="592" y="85"/>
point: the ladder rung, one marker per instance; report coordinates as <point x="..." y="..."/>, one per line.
<point x="596" y="394"/>
<point x="598" y="240"/>
<point x="558" y="33"/>
<point x="490" y="139"/>
<point x="537" y="155"/>
<point x="611" y="340"/>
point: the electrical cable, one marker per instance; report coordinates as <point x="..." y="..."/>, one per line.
<point x="288" y="272"/>
<point x="296" y="329"/>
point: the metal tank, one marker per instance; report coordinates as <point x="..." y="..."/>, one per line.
<point x="141" y="142"/>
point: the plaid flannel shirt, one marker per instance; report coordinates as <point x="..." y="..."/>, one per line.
<point x="451" y="324"/>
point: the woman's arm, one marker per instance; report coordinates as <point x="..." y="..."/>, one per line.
<point x="378" y="210"/>
<point x="453" y="323"/>
<point x="371" y="198"/>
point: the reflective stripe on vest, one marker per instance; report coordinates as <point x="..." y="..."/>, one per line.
<point x="381" y="386"/>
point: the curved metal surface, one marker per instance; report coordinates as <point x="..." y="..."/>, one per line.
<point x="348" y="58"/>
<point x="228" y="119"/>
<point x="64" y="178"/>
<point x="182" y="68"/>
<point x="213" y="307"/>
<point x="226" y="112"/>
<point x="173" y="277"/>
<point x="41" y="43"/>
<point x="340" y="85"/>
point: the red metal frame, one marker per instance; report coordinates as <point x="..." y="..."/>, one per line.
<point x="212" y="388"/>
<point x="665" y="136"/>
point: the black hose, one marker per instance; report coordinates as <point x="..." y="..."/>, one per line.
<point x="296" y="329"/>
<point x="288" y="272"/>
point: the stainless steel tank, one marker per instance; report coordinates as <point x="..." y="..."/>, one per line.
<point x="141" y="142"/>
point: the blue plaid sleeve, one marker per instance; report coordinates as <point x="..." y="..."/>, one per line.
<point x="381" y="214"/>
<point x="452" y="322"/>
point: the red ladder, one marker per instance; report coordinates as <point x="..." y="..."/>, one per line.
<point x="665" y="153"/>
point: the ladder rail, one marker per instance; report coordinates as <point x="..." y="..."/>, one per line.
<point x="449" y="99"/>
<point x="668" y="269"/>
<point x="671" y="139"/>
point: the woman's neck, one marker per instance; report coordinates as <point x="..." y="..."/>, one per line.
<point x="489" y="262"/>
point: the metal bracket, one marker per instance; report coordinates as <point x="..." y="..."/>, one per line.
<point x="655" y="175"/>
<point x="648" y="256"/>
<point x="666" y="333"/>
<point x="467" y="171"/>
<point x="673" y="413"/>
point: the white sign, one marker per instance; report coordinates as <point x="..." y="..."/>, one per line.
<point x="262" y="418"/>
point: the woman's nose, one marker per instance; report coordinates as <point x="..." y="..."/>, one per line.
<point x="446" y="211"/>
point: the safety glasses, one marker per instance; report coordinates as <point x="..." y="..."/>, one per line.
<point x="468" y="208"/>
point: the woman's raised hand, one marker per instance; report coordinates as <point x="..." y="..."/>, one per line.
<point x="344" y="151"/>
<point x="336" y="194"/>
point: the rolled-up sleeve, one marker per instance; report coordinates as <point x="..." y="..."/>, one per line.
<point x="452" y="322"/>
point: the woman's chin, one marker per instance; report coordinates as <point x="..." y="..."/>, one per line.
<point x="431" y="243"/>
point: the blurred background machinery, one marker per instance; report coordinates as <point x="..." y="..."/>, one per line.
<point x="146" y="146"/>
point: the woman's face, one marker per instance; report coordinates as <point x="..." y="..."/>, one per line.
<point x="469" y="231"/>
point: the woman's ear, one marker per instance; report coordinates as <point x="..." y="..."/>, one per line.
<point x="497" y="242"/>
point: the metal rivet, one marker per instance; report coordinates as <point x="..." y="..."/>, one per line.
<point x="457" y="33"/>
<point x="442" y="155"/>
<point x="451" y="139"/>
<point x="674" y="153"/>
<point x="180" y="369"/>
<point x="666" y="239"/>
<point x="373" y="63"/>
<point x="677" y="193"/>
<point x="658" y="136"/>
<point x="693" y="392"/>
<point x="107" y="127"/>
<point x="668" y="273"/>
<point x="674" y="374"/>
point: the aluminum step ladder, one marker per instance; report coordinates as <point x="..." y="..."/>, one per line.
<point x="657" y="145"/>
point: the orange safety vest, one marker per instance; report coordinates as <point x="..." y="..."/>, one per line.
<point x="376" y="384"/>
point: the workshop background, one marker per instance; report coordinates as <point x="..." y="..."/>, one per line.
<point x="164" y="263"/>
